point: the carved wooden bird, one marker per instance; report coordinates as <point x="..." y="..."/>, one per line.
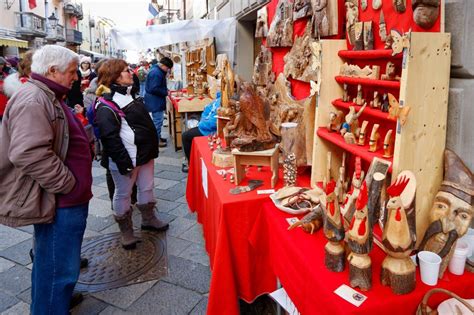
<point x="397" y="111"/>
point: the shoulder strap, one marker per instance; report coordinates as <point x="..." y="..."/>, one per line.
<point x="113" y="106"/>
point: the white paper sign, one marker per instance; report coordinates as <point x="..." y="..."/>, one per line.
<point x="204" y="176"/>
<point x="281" y="297"/>
<point x="265" y="191"/>
<point x="350" y="295"/>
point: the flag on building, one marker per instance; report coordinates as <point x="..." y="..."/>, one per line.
<point x="153" y="12"/>
<point x="32" y="4"/>
<point x="73" y="21"/>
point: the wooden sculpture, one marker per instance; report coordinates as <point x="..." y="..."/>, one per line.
<point x="254" y="131"/>
<point x="376" y="4"/>
<point x="357" y="72"/>
<point x="311" y="222"/>
<point x="388" y="145"/>
<point x="359" y="100"/>
<point x="262" y="71"/>
<point x="375" y="103"/>
<point x="299" y="60"/>
<point x="425" y="12"/>
<point x="398" y="42"/>
<point x="397" y="111"/>
<point x="399" y="5"/>
<point x="348" y="207"/>
<point x="261" y="29"/>
<point x="350" y="129"/>
<point x="359" y="36"/>
<point x="452" y="210"/>
<point x="352" y="17"/>
<point x="390" y="72"/>
<point x="301" y="9"/>
<point x="374" y="138"/>
<point x="342" y="183"/>
<point x="383" y="28"/>
<point x="399" y="235"/>
<point x="368" y="36"/>
<point x="385" y="104"/>
<point x="280" y="33"/>
<point x="362" y="133"/>
<point x="345" y="96"/>
<point x="333" y="230"/>
<point x="363" y="4"/>
<point x="335" y="120"/>
<point x="360" y="242"/>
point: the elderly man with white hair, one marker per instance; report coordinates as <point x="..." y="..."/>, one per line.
<point x="45" y="162"/>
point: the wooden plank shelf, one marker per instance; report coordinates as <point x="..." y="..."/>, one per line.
<point x="362" y="151"/>
<point x="394" y="85"/>
<point x="372" y="112"/>
<point x="369" y="54"/>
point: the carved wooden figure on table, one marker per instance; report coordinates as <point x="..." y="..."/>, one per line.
<point x="397" y="111"/>
<point x="452" y="210"/>
<point x="333" y="230"/>
<point x="359" y="100"/>
<point x="399" y="236"/>
<point x="345" y="96"/>
<point x="425" y="12"/>
<point x="374" y="138"/>
<point x="342" y="183"/>
<point x="388" y="145"/>
<point x="375" y="103"/>
<point x="335" y="120"/>
<point x="385" y="103"/>
<point x="399" y="5"/>
<point x="390" y="73"/>
<point x="349" y="202"/>
<point x="360" y="242"/>
<point x="350" y="129"/>
<point x="362" y="133"/>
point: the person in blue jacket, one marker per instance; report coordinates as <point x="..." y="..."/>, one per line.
<point x="156" y="92"/>
<point x="207" y="125"/>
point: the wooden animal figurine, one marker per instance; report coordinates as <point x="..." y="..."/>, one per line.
<point x="375" y="103"/>
<point x="388" y="145"/>
<point x="399" y="236"/>
<point x="333" y="230"/>
<point x="341" y="184"/>
<point x="374" y="138"/>
<point x="390" y="73"/>
<point x="359" y="36"/>
<point x="352" y="17"/>
<point x="348" y="207"/>
<point x="360" y="242"/>
<point x="359" y="99"/>
<point x="399" y="5"/>
<point x="425" y="12"/>
<point x="301" y="9"/>
<point x="335" y="120"/>
<point x="350" y="129"/>
<point x="311" y="222"/>
<point x="363" y="4"/>
<point x="362" y="133"/>
<point x="345" y="96"/>
<point x="397" y="111"/>
<point x="375" y="75"/>
<point x="261" y="29"/>
<point x="376" y="4"/>
<point x="368" y="36"/>
<point x="452" y="210"/>
<point x="385" y="104"/>
<point x="399" y="41"/>
<point x="382" y="28"/>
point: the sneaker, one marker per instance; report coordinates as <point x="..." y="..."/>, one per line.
<point x="164" y="140"/>
<point x="162" y="144"/>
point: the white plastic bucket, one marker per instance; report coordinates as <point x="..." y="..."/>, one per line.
<point x="429" y="267"/>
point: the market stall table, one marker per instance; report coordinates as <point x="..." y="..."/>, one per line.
<point x="298" y="262"/>
<point x="237" y="270"/>
<point x="182" y="105"/>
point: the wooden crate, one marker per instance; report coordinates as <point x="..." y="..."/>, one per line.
<point x="420" y="143"/>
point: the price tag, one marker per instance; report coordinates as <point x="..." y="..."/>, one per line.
<point x="350" y="295"/>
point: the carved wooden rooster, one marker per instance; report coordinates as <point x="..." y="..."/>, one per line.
<point x="398" y="238"/>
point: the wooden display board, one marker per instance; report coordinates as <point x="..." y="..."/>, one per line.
<point x="420" y="143"/>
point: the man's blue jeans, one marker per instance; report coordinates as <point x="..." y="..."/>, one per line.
<point x="57" y="260"/>
<point x="158" y="122"/>
<point x="142" y="89"/>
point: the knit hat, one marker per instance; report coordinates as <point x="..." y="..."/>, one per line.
<point x="167" y="62"/>
<point x="85" y="59"/>
<point x="13" y="61"/>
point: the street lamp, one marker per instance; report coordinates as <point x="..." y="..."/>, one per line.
<point x="53" y="21"/>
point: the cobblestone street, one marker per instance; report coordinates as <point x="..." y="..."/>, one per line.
<point x="183" y="291"/>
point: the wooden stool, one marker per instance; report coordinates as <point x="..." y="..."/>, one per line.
<point x="257" y="158"/>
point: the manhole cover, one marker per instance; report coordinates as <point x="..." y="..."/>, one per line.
<point x="111" y="266"/>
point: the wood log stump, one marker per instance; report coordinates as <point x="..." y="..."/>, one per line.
<point x="399" y="274"/>
<point x="222" y="159"/>
<point x="334" y="258"/>
<point x="360" y="271"/>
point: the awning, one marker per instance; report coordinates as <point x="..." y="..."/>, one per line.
<point x="91" y="53"/>
<point x="10" y="41"/>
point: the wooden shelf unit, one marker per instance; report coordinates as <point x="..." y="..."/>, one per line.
<point x="375" y="113"/>
<point x="420" y="143"/>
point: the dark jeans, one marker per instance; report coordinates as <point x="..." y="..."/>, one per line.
<point x="187" y="138"/>
<point x="57" y="260"/>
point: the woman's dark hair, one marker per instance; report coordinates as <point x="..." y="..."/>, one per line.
<point x="110" y="71"/>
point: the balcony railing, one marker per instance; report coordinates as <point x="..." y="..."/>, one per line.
<point x="55" y="34"/>
<point x="30" y="25"/>
<point x="74" y="9"/>
<point x="73" y="37"/>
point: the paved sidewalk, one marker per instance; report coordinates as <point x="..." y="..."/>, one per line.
<point x="184" y="291"/>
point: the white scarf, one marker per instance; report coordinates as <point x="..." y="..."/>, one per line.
<point x="85" y="73"/>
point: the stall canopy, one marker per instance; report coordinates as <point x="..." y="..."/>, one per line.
<point x="181" y="31"/>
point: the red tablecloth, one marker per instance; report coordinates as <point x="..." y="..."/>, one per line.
<point x="238" y="270"/>
<point x="297" y="259"/>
